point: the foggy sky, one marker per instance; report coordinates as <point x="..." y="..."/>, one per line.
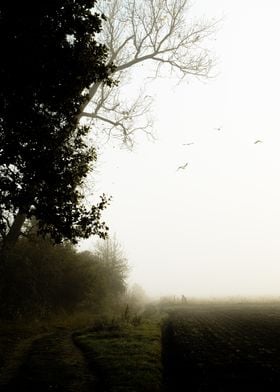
<point x="211" y="229"/>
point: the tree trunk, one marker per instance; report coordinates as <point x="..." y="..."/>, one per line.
<point x="14" y="232"/>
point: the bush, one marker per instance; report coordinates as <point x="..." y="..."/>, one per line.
<point x="41" y="279"/>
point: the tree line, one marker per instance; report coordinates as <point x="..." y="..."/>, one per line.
<point x="42" y="280"/>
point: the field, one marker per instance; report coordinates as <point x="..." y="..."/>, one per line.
<point x="222" y="348"/>
<point x="193" y="348"/>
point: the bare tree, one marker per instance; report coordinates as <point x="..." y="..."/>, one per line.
<point x="157" y="32"/>
<point x="111" y="253"/>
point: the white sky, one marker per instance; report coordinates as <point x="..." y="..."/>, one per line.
<point x="214" y="228"/>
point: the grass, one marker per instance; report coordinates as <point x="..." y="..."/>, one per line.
<point x="200" y="347"/>
<point x="127" y="358"/>
<point x="27" y="344"/>
<point x="52" y="362"/>
<point x="115" y="356"/>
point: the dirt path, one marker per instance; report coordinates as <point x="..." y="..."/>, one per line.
<point x="14" y="359"/>
<point x="47" y="362"/>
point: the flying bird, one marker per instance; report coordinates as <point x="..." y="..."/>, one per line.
<point x="183" y="166"/>
<point x="258" y="141"/>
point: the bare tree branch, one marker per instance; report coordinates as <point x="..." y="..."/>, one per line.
<point x="155" y="31"/>
<point x="120" y="119"/>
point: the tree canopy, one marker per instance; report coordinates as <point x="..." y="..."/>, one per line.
<point x="50" y="58"/>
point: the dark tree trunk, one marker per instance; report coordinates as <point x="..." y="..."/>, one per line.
<point x="14" y="232"/>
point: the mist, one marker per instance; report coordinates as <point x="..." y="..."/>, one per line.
<point x="210" y="229"/>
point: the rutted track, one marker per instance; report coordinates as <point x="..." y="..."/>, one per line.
<point x="14" y="359"/>
<point x="47" y="362"/>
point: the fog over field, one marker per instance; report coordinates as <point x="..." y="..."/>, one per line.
<point x="211" y="228"/>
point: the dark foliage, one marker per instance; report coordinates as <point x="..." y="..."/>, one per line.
<point x="49" y="58"/>
<point x="40" y="280"/>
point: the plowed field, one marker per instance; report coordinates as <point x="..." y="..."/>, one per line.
<point x="218" y="348"/>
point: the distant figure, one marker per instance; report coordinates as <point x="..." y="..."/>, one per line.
<point x="183" y="299"/>
<point x="188" y="144"/>
<point x="258" y="141"/>
<point x="183" y="166"/>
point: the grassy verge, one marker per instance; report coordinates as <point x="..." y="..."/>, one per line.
<point x="127" y="358"/>
<point x="16" y="336"/>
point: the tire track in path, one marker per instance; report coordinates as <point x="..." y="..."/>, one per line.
<point x="48" y="362"/>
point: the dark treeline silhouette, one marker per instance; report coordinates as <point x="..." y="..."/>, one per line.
<point x="42" y="280"/>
